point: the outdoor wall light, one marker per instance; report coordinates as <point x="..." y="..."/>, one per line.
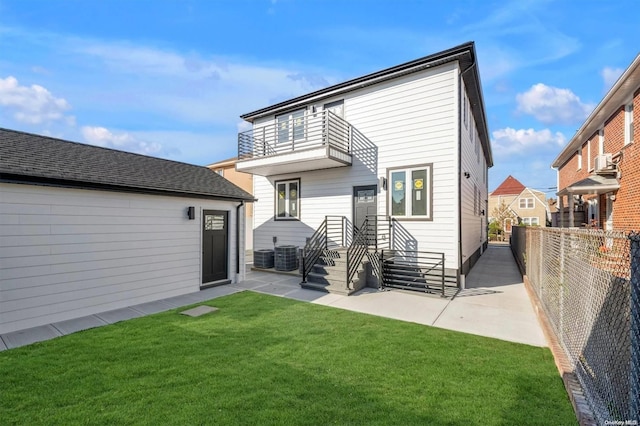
<point x="383" y="183"/>
<point x="191" y="212"/>
<point x="467" y="175"/>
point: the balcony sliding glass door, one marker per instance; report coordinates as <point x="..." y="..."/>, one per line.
<point x="291" y="127"/>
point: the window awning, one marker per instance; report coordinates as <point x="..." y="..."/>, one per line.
<point x="594" y="184"/>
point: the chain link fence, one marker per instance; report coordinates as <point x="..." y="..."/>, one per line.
<point x="585" y="280"/>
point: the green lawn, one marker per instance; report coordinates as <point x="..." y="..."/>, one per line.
<point x="268" y="360"/>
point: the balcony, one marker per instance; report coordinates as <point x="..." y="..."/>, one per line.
<point x="301" y="142"/>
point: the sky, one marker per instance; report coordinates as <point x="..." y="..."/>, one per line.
<point x="171" y="78"/>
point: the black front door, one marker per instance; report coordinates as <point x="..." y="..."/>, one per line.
<point x="365" y="204"/>
<point x="215" y="235"/>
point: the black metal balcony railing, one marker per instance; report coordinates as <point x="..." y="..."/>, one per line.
<point x="312" y="130"/>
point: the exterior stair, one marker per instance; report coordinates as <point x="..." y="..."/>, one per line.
<point x="329" y="274"/>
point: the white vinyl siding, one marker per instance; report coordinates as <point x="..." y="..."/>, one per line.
<point x="474" y="189"/>
<point x="408" y="118"/>
<point x="67" y="253"/>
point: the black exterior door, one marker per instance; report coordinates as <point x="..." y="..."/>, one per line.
<point x="215" y="233"/>
<point x="365" y="203"/>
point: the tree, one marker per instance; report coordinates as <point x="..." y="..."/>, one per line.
<point x="498" y="217"/>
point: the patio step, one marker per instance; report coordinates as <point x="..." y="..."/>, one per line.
<point x="329" y="274"/>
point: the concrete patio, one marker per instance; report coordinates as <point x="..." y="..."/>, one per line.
<point x="494" y="304"/>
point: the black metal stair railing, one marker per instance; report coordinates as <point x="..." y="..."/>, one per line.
<point x="356" y="251"/>
<point x="330" y="233"/>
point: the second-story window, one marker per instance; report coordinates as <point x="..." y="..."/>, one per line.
<point x="579" y="155"/>
<point x="526" y="203"/>
<point x="628" y="124"/>
<point x="600" y="141"/>
<point x="290" y="126"/>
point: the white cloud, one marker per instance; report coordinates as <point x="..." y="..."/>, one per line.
<point x="187" y="86"/>
<point x="610" y="76"/>
<point x="123" y="141"/>
<point x="522" y="141"/>
<point x="33" y="104"/>
<point x="552" y="105"/>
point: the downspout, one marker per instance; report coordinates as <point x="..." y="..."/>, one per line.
<point x="238" y="237"/>
<point x="461" y="284"/>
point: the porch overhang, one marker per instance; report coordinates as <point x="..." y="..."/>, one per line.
<point x="317" y="158"/>
<point x="594" y="184"/>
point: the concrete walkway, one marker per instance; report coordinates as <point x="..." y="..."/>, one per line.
<point x="494" y="304"/>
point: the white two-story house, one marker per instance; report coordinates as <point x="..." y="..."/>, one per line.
<point x="401" y="153"/>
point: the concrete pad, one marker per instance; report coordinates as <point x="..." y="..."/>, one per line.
<point x="499" y="323"/>
<point x="78" y="324"/>
<point x="393" y="304"/>
<point x="183" y="300"/>
<point x="152" y="307"/>
<point x="514" y="299"/>
<point x="287" y="280"/>
<point x="118" y="315"/>
<point x="28" y="336"/>
<point x="250" y="284"/>
<point x="275" y="289"/>
<point x="2" y="345"/>
<point x="327" y="299"/>
<point x="306" y="295"/>
<point x="213" y="292"/>
<point x="199" y="311"/>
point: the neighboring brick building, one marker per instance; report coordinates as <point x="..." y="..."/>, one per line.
<point x="525" y="206"/>
<point x="599" y="169"/>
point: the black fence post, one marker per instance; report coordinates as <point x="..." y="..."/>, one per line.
<point x="634" y="368"/>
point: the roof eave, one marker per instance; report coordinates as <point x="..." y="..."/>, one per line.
<point x="66" y="183"/>
<point x="436" y="59"/>
<point x="602" y="111"/>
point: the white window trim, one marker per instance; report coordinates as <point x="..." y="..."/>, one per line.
<point x="287" y="210"/>
<point x="589" y="168"/>
<point x="628" y="124"/>
<point x="529" y="221"/>
<point x="408" y="207"/>
<point x="579" y="155"/>
<point x="601" y="142"/>
<point x="526" y="203"/>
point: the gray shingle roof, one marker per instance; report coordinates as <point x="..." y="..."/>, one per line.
<point x="26" y="157"/>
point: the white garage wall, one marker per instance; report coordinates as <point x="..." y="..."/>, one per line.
<point x="66" y="253"/>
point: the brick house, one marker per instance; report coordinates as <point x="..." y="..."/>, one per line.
<point x="599" y="169"/>
<point x="525" y="206"/>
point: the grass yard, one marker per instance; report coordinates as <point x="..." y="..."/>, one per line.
<point x="269" y="360"/>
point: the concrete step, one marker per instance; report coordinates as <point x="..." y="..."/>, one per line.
<point x="326" y="288"/>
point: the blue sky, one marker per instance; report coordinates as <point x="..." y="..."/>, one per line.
<point x="171" y="78"/>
